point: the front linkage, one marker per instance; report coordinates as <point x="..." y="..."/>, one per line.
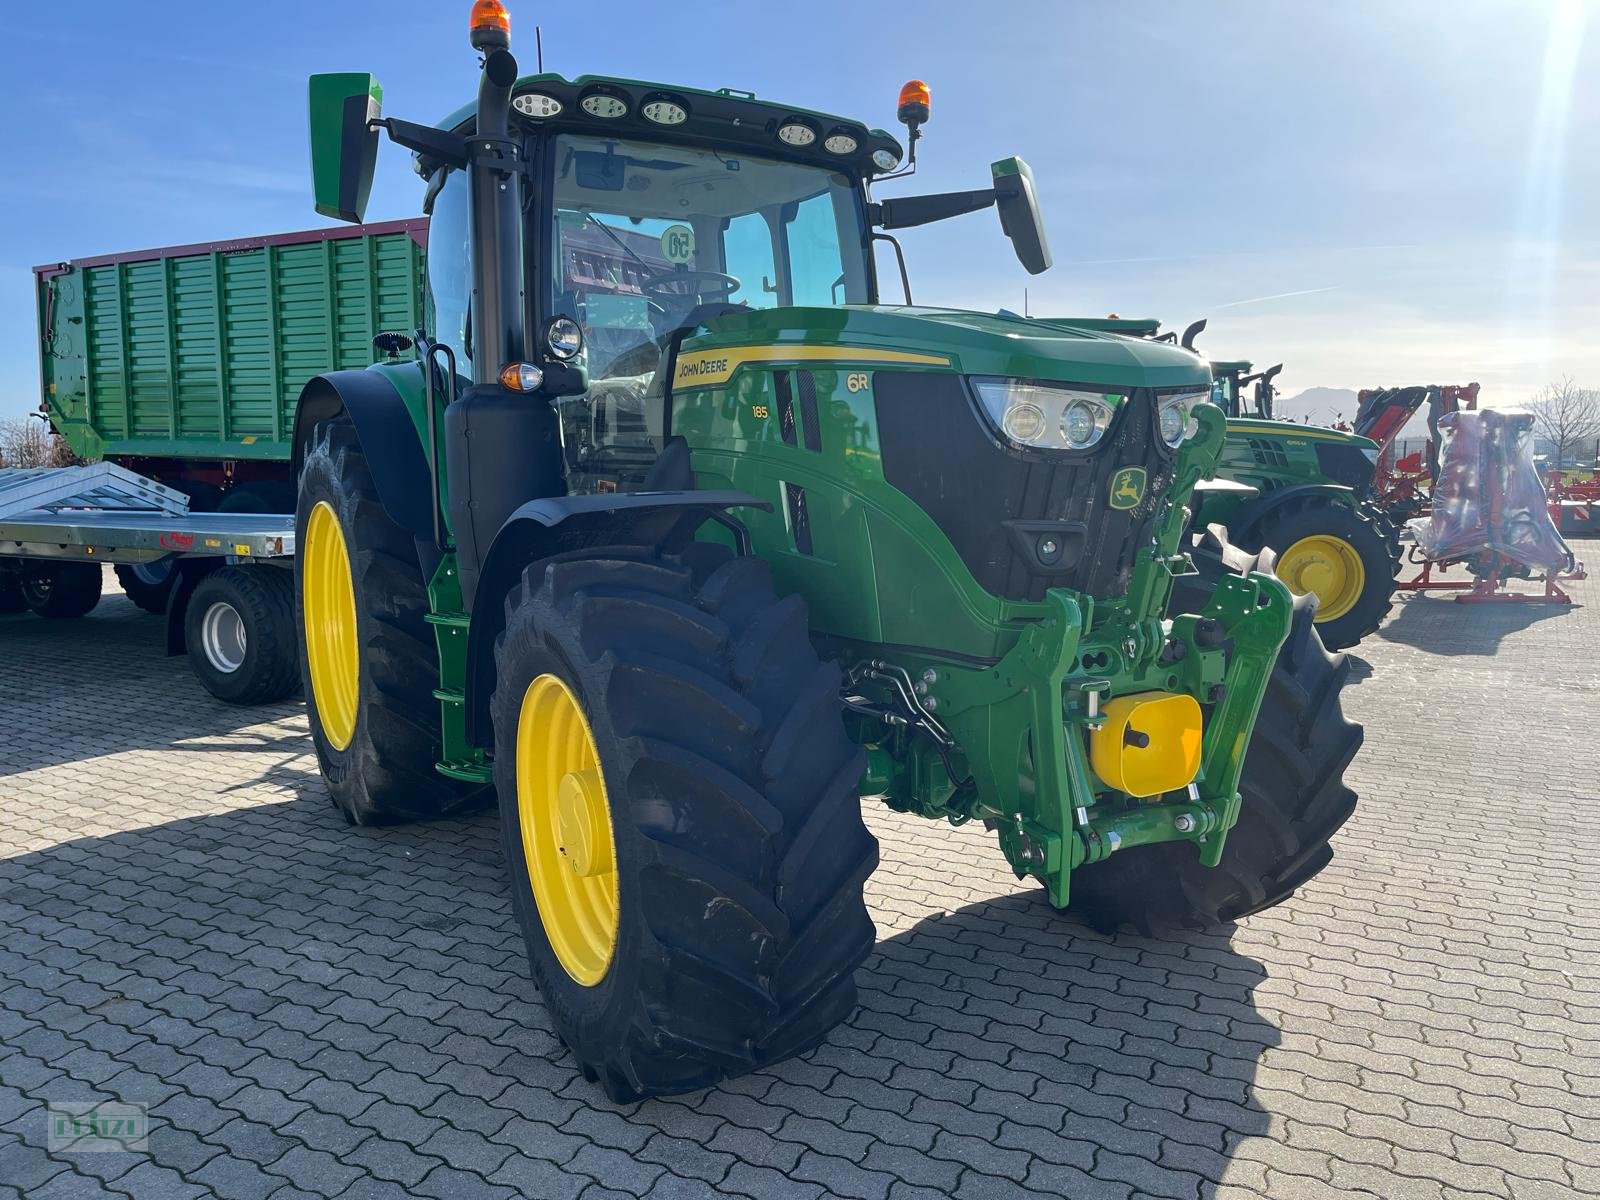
<point x="1016" y="744"/>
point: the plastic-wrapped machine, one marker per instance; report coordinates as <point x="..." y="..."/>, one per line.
<point x="1488" y="496"/>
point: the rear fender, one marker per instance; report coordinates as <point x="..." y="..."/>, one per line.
<point x="544" y="528"/>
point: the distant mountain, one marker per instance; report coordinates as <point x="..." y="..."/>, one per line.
<point x="1325" y="405"/>
<point x="1319" y="405"/>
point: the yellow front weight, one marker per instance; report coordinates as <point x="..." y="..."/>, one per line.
<point x="1149" y="743"/>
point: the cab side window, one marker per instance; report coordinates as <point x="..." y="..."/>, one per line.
<point x="450" y="270"/>
<point x="747" y="253"/>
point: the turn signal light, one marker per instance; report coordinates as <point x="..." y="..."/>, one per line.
<point x="491" y="25"/>
<point x="521" y="377"/>
<point x="913" y="103"/>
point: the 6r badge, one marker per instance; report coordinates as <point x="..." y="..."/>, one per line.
<point x="1127" y="487"/>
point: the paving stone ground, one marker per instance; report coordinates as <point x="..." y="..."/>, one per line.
<point x="313" y="1010"/>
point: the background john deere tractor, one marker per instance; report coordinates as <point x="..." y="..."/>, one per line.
<point x="1315" y="506"/>
<point x="707" y="545"/>
<point x="1311" y="502"/>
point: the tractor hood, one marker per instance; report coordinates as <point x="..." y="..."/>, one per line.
<point x="970" y="343"/>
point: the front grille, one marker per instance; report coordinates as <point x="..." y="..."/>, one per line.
<point x="997" y="504"/>
<point x="786" y="384"/>
<point x="1267" y="453"/>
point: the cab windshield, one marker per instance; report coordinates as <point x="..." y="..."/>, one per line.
<point x="649" y="238"/>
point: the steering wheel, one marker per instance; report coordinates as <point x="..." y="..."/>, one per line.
<point x="674" y="284"/>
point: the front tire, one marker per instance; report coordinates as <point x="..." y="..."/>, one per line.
<point x="63" y="591"/>
<point x="367" y="657"/>
<point x="709" y="809"/>
<point x="240" y="632"/>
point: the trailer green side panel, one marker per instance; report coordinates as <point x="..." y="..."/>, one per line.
<point x="201" y="351"/>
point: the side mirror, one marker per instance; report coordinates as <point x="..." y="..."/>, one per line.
<point x="344" y="143"/>
<point x="1019" y="213"/>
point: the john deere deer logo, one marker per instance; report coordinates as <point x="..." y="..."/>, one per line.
<point x="1127" y="487"/>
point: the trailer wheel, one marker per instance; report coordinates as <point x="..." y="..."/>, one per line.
<point x="63" y="590"/>
<point x="1348" y="555"/>
<point x="240" y="632"/>
<point x="148" y="585"/>
<point x="1294" y="800"/>
<point x="367" y="656"/>
<point x="680" y="816"/>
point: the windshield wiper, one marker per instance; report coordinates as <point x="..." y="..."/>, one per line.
<point x="610" y="233"/>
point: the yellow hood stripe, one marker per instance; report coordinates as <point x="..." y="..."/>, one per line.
<point x="707" y="368"/>
<point x="1292" y="429"/>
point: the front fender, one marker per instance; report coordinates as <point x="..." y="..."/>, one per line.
<point x="555" y="525"/>
<point x="1252" y="512"/>
<point x="388" y="432"/>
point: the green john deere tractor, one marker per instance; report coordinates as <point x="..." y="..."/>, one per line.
<point x="679" y="543"/>
<point x="1314" y="505"/>
<point x="1304" y="491"/>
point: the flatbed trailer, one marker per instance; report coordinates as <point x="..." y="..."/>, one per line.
<point x="226" y="593"/>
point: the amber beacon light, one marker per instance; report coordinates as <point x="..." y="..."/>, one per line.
<point x="913" y="109"/>
<point x="491" y="25"/>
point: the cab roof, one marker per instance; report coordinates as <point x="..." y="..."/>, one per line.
<point x="727" y="116"/>
<point x="1141" y="327"/>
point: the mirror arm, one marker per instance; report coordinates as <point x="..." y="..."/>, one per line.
<point x="904" y="212"/>
<point x="900" y="257"/>
<point x="441" y="146"/>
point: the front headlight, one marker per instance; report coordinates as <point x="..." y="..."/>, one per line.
<point x="1040" y="417"/>
<point x="1175" y="416"/>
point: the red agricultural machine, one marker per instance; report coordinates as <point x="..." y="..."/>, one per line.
<point x="1574" y="499"/>
<point x="1404" y="486"/>
<point x="1488" y="511"/>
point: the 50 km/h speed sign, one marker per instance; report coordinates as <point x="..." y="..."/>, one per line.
<point x="677" y="244"/>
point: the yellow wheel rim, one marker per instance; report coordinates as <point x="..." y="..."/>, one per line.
<point x="567" y="839"/>
<point x="1328" y="566"/>
<point x="329" y="617"/>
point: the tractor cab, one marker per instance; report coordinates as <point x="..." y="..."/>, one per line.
<point x="1230" y="384"/>
<point x="645" y="211"/>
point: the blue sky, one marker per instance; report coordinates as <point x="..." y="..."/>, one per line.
<point x="1373" y="193"/>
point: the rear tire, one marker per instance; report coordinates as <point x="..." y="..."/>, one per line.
<point x="64" y="590"/>
<point x="382" y="771"/>
<point x="240" y="632"/>
<point x="1367" y="532"/>
<point x="739" y="848"/>
<point x="1293" y="801"/>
